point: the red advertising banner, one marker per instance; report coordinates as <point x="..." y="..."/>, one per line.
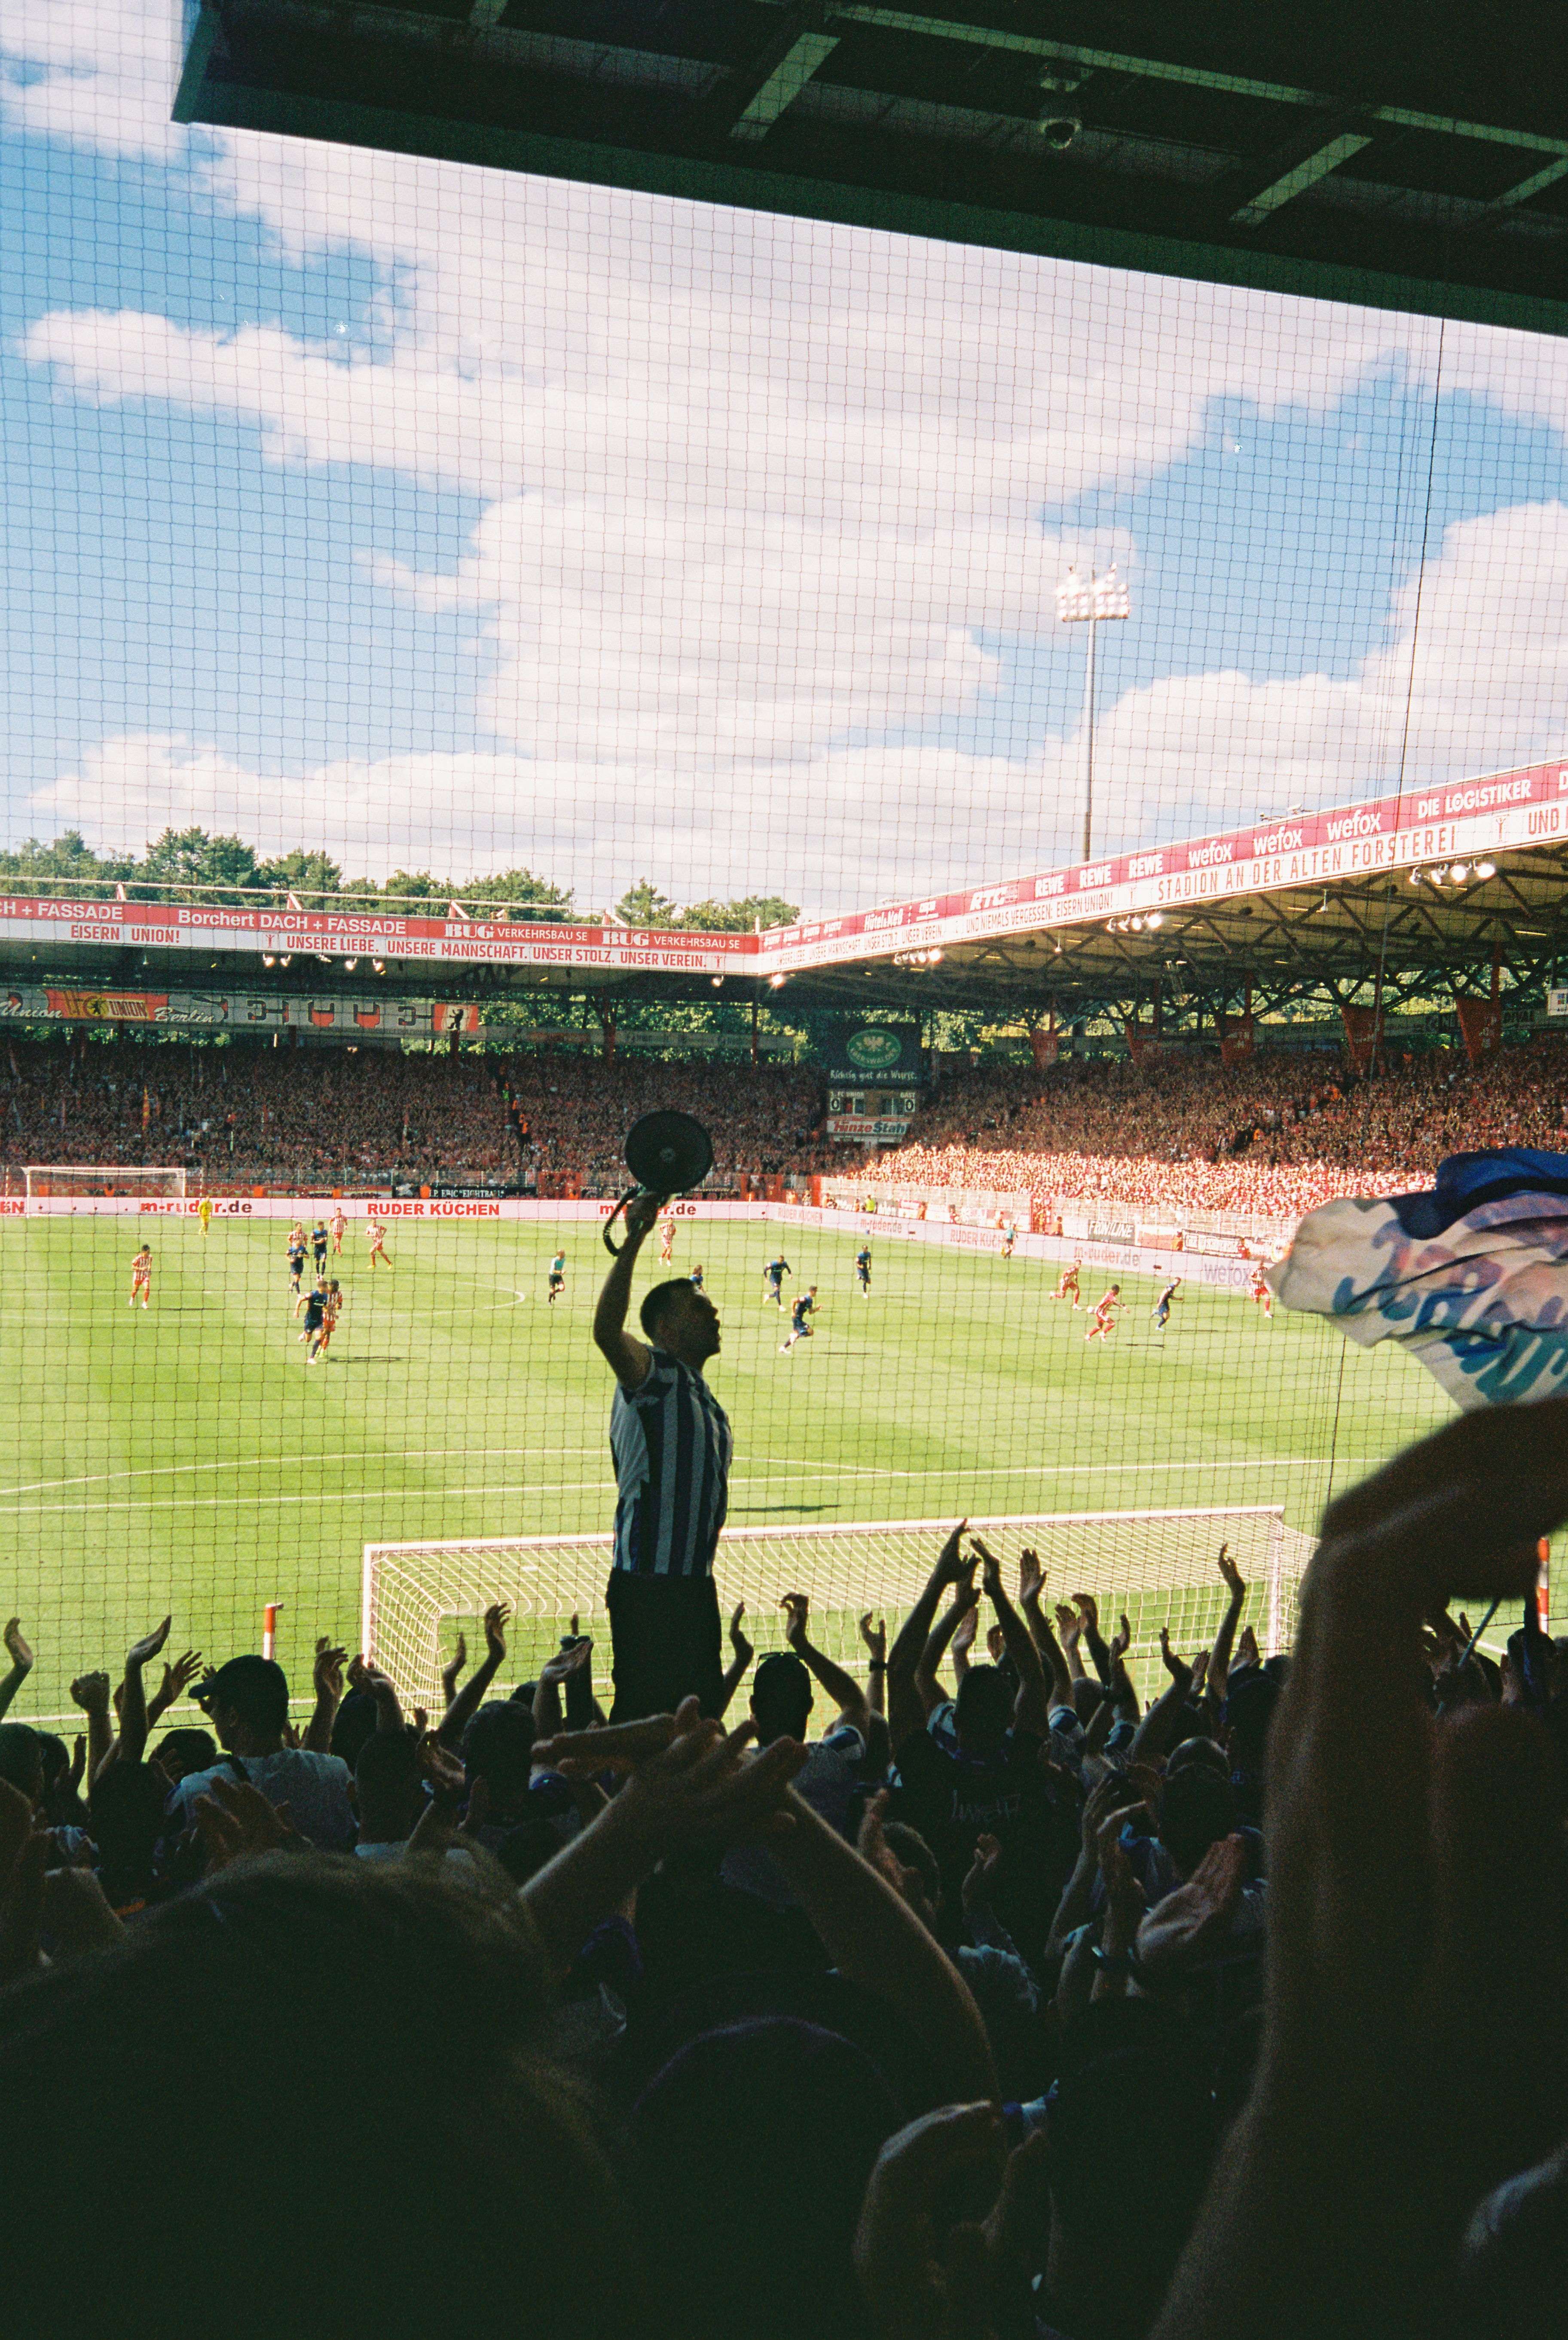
<point x="1045" y="1045"/>
<point x="1237" y="1044"/>
<point x="1480" y="1026"/>
<point x="1142" y="1044"/>
<point x="452" y="1018"/>
<point x="1362" y="1035"/>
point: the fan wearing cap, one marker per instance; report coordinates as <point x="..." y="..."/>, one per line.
<point x="247" y="1703"/>
<point x="670" y="1439"/>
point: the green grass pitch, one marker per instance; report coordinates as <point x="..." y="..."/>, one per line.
<point x="186" y="1458"/>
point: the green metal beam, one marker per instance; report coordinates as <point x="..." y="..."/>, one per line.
<point x="701" y="179"/>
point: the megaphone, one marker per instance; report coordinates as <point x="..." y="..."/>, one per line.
<point x="666" y="1152"/>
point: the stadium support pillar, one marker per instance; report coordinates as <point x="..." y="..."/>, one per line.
<point x="754" y="1031"/>
<point x="606" y="1016"/>
<point x="1157" y="990"/>
<point x="1496" y="974"/>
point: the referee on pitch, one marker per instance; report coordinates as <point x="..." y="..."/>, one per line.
<point x="670" y="1439"/>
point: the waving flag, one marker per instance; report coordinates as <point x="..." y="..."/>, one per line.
<point x="1471" y="1278"/>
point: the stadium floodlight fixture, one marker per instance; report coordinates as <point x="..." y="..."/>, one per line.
<point x="775" y="981"/>
<point x="1155" y="918"/>
<point x="379" y="966"/>
<point x="266" y="958"/>
<point x="351" y="964"/>
<point x="1459" y="872"/>
<point x="717" y="982"/>
<point x="1484" y="869"/>
<point x="285" y="959"/>
<point x="1090" y="601"/>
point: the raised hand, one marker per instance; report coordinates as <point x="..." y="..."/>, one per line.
<point x="1120" y="1643"/>
<point x="91" y="1692"/>
<point x="1247" y="1649"/>
<point x="874" y="1637"/>
<point x="796" y="1607"/>
<point x="1188" y="1922"/>
<point x="17" y="1649"/>
<point x="995" y="1644"/>
<point x="739" y="1643"/>
<point x="178" y="1677"/>
<point x="990" y="1567"/>
<point x="985" y="1872"/>
<point x="1099" y="1805"/>
<point x="327" y="1669"/>
<point x="1235" y="1582"/>
<point x="567" y="1661"/>
<point x="1069" y="1628"/>
<point x="1200" y="1674"/>
<point x="690" y="1781"/>
<point x="149" y="1645"/>
<point x="964" y="1631"/>
<point x="453" y="1668"/>
<point x="642" y="1213"/>
<point x="1177" y="1668"/>
<point x="236" y="1820"/>
<point x="1125" y="1901"/>
<point x="442" y="1769"/>
<point x="498" y="1616"/>
<point x="1030" y="1578"/>
<point x="950" y="1563"/>
<point x="1089" y="1609"/>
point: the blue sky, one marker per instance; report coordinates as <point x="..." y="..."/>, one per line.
<point x="439" y="517"/>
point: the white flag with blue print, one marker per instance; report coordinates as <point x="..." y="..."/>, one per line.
<point x="1471" y="1278"/>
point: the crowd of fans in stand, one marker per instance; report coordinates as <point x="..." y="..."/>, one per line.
<point x="1275" y="1136"/>
<point x="313" y="1117"/>
<point x="580" y="1108"/>
<point x="1003" y="2004"/>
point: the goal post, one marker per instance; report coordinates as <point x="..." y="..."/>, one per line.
<point x="1158" y="1566"/>
<point x="90" y="1181"/>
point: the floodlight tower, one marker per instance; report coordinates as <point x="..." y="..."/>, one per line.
<point x="1080" y="601"/>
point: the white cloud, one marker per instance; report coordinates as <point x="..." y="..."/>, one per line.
<point x="96" y="73"/>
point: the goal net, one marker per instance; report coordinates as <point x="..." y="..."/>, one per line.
<point x="87" y="1181"/>
<point x="1157" y="1566"/>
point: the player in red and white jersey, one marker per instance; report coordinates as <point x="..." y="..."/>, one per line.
<point x="339" y="1226"/>
<point x="1261" y="1294"/>
<point x="1066" y="1283"/>
<point x="141" y="1277"/>
<point x="376" y="1234"/>
<point x="1102" y="1325"/>
<point x="667" y="1242"/>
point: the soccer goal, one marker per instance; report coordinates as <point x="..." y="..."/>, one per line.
<point x="1158" y="1567"/>
<point x="89" y="1180"/>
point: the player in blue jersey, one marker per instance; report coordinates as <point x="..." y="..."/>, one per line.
<point x="863" y="1269"/>
<point x="1161" y="1309"/>
<point x="695" y="1278"/>
<point x="802" y="1310"/>
<point x="774" y="1274"/>
<point x="296" y="1257"/>
<point x="557" y="1279"/>
<point x="1009" y="1238"/>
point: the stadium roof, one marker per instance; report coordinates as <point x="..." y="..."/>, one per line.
<point x="1423" y="887"/>
<point x="1404" y="156"/>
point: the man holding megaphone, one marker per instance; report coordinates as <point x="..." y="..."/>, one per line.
<point x="670" y="1438"/>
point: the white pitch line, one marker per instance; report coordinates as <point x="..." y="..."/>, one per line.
<point x="271" y="1462"/>
<point x="402" y="1495"/>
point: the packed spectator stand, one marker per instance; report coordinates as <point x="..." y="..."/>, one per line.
<point x="962" y="1996"/>
<point x="1272" y="1137"/>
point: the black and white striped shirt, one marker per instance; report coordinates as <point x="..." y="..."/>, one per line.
<point x="671" y="1442"/>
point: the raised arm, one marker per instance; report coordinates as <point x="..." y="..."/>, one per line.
<point x="735" y="1673"/>
<point x="451" y="1672"/>
<point x="134" y="1694"/>
<point x="874" y="1636"/>
<point x="842" y="1689"/>
<point x="553" y="1675"/>
<point x="903" y="1707"/>
<point x="1031" y="1588"/>
<point x="628" y="1357"/>
<point x="21" y="1665"/>
<point x="382" y="1688"/>
<point x="1089" y="1610"/>
<point x="1225" y="1640"/>
<point x="1031" y="1707"/>
<point x="90" y="1694"/>
<point x="327" y="1679"/>
<point x="177" y="1680"/>
<point x="455" y="1721"/>
<point x="1156" y="1734"/>
<point x="927" y="1673"/>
